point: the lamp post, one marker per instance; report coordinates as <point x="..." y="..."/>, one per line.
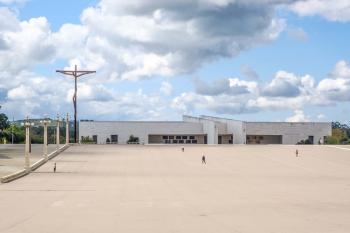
<point x="58" y="132"/>
<point x="67" y="129"/>
<point x="28" y="149"/>
<point x="45" y="122"/>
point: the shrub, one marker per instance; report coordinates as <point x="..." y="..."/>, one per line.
<point x="133" y="140"/>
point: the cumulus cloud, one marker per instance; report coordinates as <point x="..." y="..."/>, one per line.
<point x="337" y="86"/>
<point x="285" y="91"/>
<point x="297" y="33"/>
<point x="321" y="117"/>
<point x="249" y="73"/>
<point x="227" y="86"/>
<point x="133" y="40"/>
<point x="166" y="88"/>
<point x="13" y="1"/>
<point x="287" y="84"/>
<point x="298" y="116"/>
<point x="147" y="38"/>
<point x="27" y="42"/>
<point x="332" y="10"/>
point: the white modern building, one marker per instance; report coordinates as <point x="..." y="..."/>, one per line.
<point x="204" y="130"/>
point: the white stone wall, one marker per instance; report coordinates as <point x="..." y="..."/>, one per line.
<point x="104" y="129"/>
<point x="210" y="128"/>
<point x="204" y="125"/>
<point x="292" y="133"/>
<point x="234" y="127"/>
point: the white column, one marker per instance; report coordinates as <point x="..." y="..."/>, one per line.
<point x="45" y="141"/>
<point x="58" y="132"/>
<point x="45" y="123"/>
<point x="67" y="130"/>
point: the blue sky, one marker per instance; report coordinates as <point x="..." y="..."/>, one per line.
<point x="299" y="53"/>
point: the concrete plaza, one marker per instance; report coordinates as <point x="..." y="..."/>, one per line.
<point x="161" y="189"/>
<point x="12" y="156"/>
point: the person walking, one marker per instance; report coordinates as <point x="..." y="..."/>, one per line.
<point x="183" y="149"/>
<point x="297" y="153"/>
<point x="203" y="160"/>
<point x="54" y="168"/>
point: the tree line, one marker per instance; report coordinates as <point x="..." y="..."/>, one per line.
<point x="16" y="132"/>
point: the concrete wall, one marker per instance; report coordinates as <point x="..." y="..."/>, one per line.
<point x="234" y="127"/>
<point x="292" y="133"/>
<point x="210" y="128"/>
<point x="104" y="129"/>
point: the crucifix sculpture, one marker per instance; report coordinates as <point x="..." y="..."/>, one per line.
<point x="76" y="74"/>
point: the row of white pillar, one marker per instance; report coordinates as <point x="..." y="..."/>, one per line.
<point x="27" y="124"/>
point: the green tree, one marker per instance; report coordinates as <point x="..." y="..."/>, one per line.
<point x="4" y="123"/>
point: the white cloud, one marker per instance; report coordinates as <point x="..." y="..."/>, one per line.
<point x="249" y="73"/>
<point x="21" y="93"/>
<point x="166" y="88"/>
<point x="150" y="38"/>
<point x="298" y="116"/>
<point x="286" y="91"/>
<point x="27" y="42"/>
<point x="338" y="10"/>
<point x="132" y="40"/>
<point x="337" y="86"/>
<point x="298" y="34"/>
<point x="321" y="117"/>
<point x="13" y="1"/>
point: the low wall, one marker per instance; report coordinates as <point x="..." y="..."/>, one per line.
<point x="14" y="176"/>
<point x="21" y="173"/>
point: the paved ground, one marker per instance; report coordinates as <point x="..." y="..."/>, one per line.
<point x="160" y="189"/>
<point x="12" y="157"/>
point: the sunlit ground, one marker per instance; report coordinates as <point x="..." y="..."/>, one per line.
<point x="161" y="189"/>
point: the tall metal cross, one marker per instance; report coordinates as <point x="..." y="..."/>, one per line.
<point x="76" y="74"/>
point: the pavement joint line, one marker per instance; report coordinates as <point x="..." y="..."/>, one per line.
<point x="338" y="147"/>
<point x="48" y="190"/>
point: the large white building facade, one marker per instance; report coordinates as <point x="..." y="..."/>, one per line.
<point x="205" y="130"/>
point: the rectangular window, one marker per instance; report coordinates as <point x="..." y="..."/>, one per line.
<point x="181" y="141"/>
<point x="184" y="137"/>
<point x="94" y="138"/>
<point x="174" y="141"/>
<point x="178" y="137"/>
<point x="165" y="137"/>
<point x="192" y="137"/>
<point x="194" y="141"/>
<point x="171" y="137"/>
<point x="114" y="138"/>
<point x="188" y="141"/>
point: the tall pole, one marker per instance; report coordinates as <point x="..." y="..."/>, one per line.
<point x="76" y="74"/>
<point x="13" y="125"/>
<point x="58" y="132"/>
<point x="67" y="129"/>
<point x="27" y="125"/>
